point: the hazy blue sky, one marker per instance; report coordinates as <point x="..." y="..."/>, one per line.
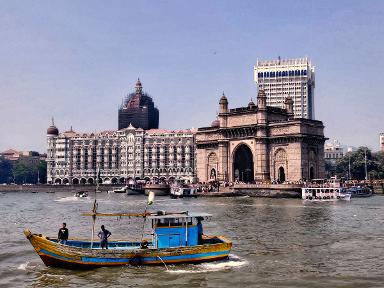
<point x="75" y="60"/>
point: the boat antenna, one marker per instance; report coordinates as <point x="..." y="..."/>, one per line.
<point x="94" y="209"/>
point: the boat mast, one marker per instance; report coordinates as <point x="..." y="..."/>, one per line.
<point x="94" y="210"/>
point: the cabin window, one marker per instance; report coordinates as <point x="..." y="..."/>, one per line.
<point x="167" y="222"/>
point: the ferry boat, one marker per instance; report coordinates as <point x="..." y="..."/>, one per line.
<point x="174" y="239"/>
<point x="324" y="190"/>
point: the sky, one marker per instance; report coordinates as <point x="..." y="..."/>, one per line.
<point x="76" y="60"/>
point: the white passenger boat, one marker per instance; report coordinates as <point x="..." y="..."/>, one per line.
<point x="324" y="190"/>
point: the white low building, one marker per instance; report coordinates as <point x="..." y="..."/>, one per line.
<point x="333" y="151"/>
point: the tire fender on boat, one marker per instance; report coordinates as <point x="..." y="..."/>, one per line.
<point x="135" y="260"/>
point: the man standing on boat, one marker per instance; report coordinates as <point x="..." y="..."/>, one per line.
<point x="103" y="235"/>
<point x="199" y="231"/>
<point x="62" y="236"/>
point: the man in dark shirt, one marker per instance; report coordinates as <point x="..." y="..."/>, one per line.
<point x="199" y="231"/>
<point x="103" y="235"/>
<point x="63" y="234"/>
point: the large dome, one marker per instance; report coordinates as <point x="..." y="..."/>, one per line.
<point x="52" y="130"/>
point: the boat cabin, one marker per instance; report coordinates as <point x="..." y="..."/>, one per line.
<point x="176" y="230"/>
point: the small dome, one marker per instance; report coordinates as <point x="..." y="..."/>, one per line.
<point x="138" y="83"/>
<point x="251" y="104"/>
<point x="215" y="123"/>
<point x="52" y="130"/>
<point x="223" y="99"/>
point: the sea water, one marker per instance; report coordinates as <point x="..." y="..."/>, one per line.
<point x="276" y="242"/>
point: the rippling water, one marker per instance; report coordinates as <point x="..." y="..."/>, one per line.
<point x="276" y="242"/>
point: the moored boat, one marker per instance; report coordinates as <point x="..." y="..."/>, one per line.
<point x="175" y="239"/>
<point x="359" y="192"/>
<point x="135" y="189"/>
<point x="179" y="190"/>
<point x="120" y="190"/>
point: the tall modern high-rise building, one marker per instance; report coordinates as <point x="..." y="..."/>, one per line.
<point x="138" y="110"/>
<point x="382" y="142"/>
<point x="281" y="78"/>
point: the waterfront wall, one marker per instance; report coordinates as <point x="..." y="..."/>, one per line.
<point x="56" y="188"/>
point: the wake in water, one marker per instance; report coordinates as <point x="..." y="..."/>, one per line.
<point x="232" y="262"/>
<point x="23" y="266"/>
<point x="68" y="199"/>
<point x="29" y="266"/>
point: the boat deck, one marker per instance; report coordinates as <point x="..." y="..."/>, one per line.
<point x="127" y="245"/>
<point x="115" y="245"/>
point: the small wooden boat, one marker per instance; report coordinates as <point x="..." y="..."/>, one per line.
<point x="175" y="239"/>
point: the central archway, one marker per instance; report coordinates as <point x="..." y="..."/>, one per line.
<point x="243" y="164"/>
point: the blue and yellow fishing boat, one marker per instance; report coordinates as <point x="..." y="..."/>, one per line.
<point x="174" y="239"/>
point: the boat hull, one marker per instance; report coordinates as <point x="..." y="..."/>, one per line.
<point x="361" y="195"/>
<point x="57" y="255"/>
<point x="158" y="190"/>
<point x="135" y="191"/>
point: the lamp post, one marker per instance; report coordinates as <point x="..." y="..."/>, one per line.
<point x="365" y="163"/>
<point x="349" y="167"/>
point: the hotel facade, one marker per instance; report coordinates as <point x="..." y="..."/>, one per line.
<point x="121" y="155"/>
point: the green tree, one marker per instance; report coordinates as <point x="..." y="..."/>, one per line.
<point x="356" y="160"/>
<point x="42" y="168"/>
<point x="26" y="172"/>
<point x="330" y="169"/>
<point x="5" y="170"/>
<point x="20" y="173"/>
